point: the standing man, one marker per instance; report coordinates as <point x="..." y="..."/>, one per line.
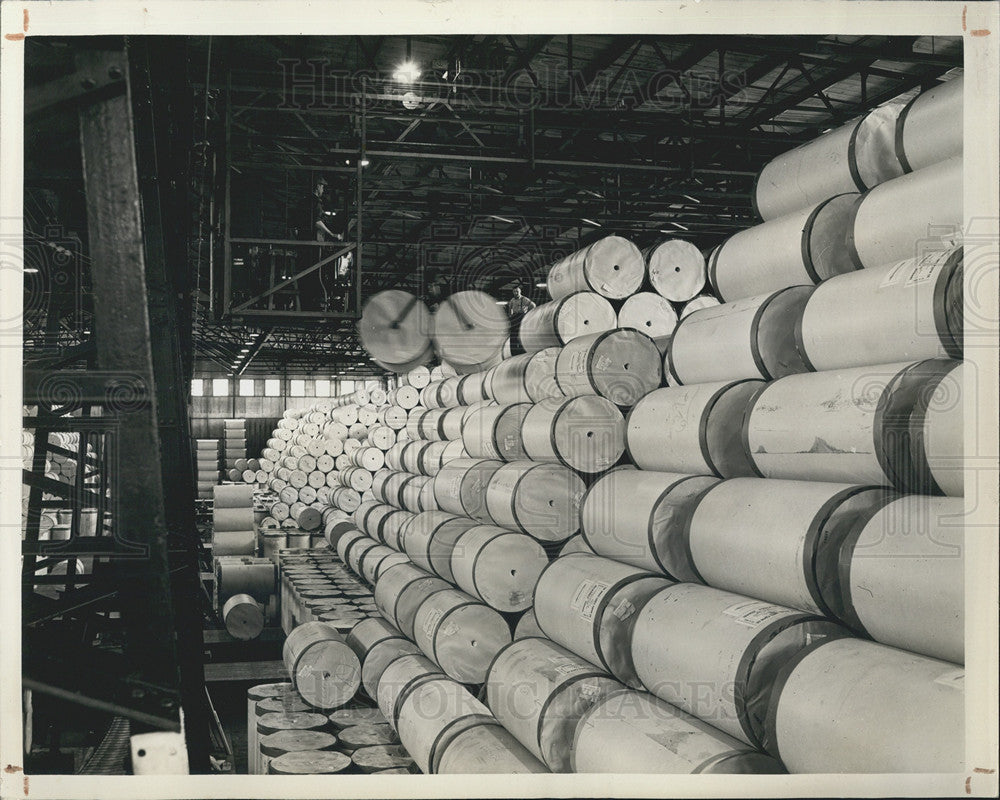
<point x="517" y="307"/>
<point x="314" y="223"/>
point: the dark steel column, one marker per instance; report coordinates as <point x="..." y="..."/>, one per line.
<point x="122" y="331"/>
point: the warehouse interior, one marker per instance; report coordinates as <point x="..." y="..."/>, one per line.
<point x="281" y="400"/>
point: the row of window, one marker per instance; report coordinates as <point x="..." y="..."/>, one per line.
<point x="249" y="387"/>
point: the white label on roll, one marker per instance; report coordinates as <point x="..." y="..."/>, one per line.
<point x="587" y="596"/>
<point x="909" y="272"/>
<point x="576" y="498"/>
<point x="589" y="691"/>
<point x="954" y="678"/>
<point x="563" y="665"/>
<point x="624" y="610"/>
<point x="431" y="621"/>
<point x="752" y="612"/>
<point x="603" y="362"/>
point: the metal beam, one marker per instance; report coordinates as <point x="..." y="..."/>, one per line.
<point x="841" y="71"/>
<point x="523" y="58"/>
<point x="123" y="343"/>
<point x="161" y="136"/>
<point x="307" y="271"/>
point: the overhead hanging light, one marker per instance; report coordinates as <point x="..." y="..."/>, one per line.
<point x="591" y="222"/>
<point x="407" y="72"/>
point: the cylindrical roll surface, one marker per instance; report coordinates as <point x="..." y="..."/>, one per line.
<point x="487" y="749"/>
<point x="588" y="605"/>
<point x="507" y="382"/>
<point x="433" y="714"/>
<point x="715" y="654"/>
<point x="630" y="732"/>
<point x="901" y="576"/>
<point x="649" y="313"/>
<point x="906" y="713"/>
<point x="800" y="248"/>
<point x="692" y="429"/>
<point x="380" y="656"/>
<point x="460" y="634"/>
<point x="585" y="433"/>
<point x="243" y="617"/>
<point x="808" y="174"/>
<point x="676" y="270"/>
<point x="398" y="679"/>
<point x="553" y="324"/>
<point x="762" y="538"/>
<point x="612" y="267"/>
<point x="394" y="328"/>
<point x="325" y="671"/>
<point x="641" y="518"/>
<point x="930" y="128"/>
<point x="898" y="219"/>
<point x="940" y="442"/>
<point x="898" y="312"/>
<point x="401" y="590"/>
<point x="857" y="425"/>
<point x="621" y="365"/>
<point x="498" y="566"/>
<point x="749" y="338"/>
<point x="234" y="518"/>
<point x="539" y="691"/>
<point x="469" y="329"/>
<point x="540" y="375"/>
<point x="232" y="496"/>
<point x="543" y="500"/>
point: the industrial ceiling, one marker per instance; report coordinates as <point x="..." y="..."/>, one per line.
<point x="479" y="158"/>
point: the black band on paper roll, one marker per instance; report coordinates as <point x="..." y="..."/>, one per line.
<point x="713" y="266"/>
<point x="694" y="500"/>
<point x="745" y="429"/>
<point x="948" y="304"/>
<point x="669" y="363"/>
<point x="852" y="157"/>
<point x="898" y="425"/>
<point x="900" y="150"/>
<point x="686" y="530"/>
<point x="479" y="552"/>
<point x="758" y="360"/>
<point x="845" y="609"/>
<point x="800" y="344"/>
<point x="556" y="691"/>
<point x="753" y="194"/>
<point x="770" y="743"/>
<point x="852" y="249"/>
<point x="602" y="607"/>
<point x="591" y="353"/>
<point x="741" y="689"/>
<point x="806" y="243"/>
<point x="922" y="477"/>
<point x="812" y="544"/>
<point x="706" y="413"/>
